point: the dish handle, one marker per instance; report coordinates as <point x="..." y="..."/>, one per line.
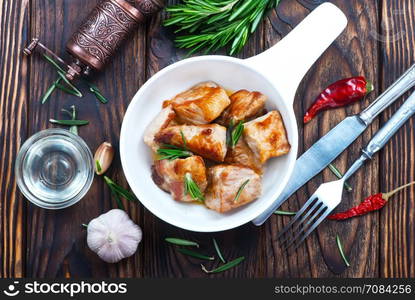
<point x="286" y="63"/>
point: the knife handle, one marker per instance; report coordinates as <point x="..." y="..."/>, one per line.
<point x="391" y="127"/>
<point x="399" y="87"/>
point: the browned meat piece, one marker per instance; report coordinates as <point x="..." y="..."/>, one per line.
<point x="224" y="184"/>
<point x="162" y="120"/>
<point x="244" y="106"/>
<point x="242" y="155"/>
<point x="208" y="140"/>
<point x="169" y="176"/>
<point x="266" y="136"/>
<point x="201" y="104"/>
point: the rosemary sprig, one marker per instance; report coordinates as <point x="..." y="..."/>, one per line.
<point x="69" y="122"/>
<point x="195" y="254"/>
<point x="50" y="90"/>
<point x="53" y="63"/>
<point x="191" y="188"/>
<point x="214" y="24"/>
<point x="285" y="213"/>
<point x="181" y="242"/>
<point x="94" y="89"/>
<point x="241" y="188"/>
<point x="215" y="244"/>
<point x="224" y="267"/>
<point x="171" y="152"/>
<point x="340" y="246"/>
<point x="119" y="190"/>
<point x="236" y="133"/>
<point x="74" y="128"/>
<point x="68" y="91"/>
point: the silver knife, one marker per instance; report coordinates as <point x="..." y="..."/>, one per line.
<point x="325" y="150"/>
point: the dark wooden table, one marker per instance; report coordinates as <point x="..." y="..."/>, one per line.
<point x="34" y="242"/>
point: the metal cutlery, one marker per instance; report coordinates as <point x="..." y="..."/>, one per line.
<point x="325" y="150"/>
<point x="328" y="195"/>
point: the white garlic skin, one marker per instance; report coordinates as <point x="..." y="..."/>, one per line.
<point x="113" y="236"/>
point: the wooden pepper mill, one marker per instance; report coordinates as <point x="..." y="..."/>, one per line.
<point x="100" y="35"/>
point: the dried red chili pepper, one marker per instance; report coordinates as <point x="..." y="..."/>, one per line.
<point x="338" y="94"/>
<point x="371" y="203"/>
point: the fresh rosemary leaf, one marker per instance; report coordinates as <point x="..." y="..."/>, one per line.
<point x="69" y="122"/>
<point x="224" y="267"/>
<point x="68" y="91"/>
<point x="53" y="63"/>
<point x="236" y="133"/>
<point x="74" y="88"/>
<point x="215" y="244"/>
<point x="339" y="175"/>
<point x="285" y="213"/>
<point x="84" y="225"/>
<point x="181" y="242"/>
<point x="241" y="188"/>
<point x="94" y="89"/>
<point x="191" y="188"/>
<point x="99" y="168"/>
<point x="195" y="254"/>
<point x="172" y="152"/>
<point x="74" y="128"/>
<point x="340" y="246"/>
<point x="50" y="90"/>
<point x="119" y="191"/>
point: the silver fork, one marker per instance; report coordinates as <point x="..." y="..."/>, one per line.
<point x="329" y="195"/>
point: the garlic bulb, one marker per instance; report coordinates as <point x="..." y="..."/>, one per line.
<point x="113" y="236"/>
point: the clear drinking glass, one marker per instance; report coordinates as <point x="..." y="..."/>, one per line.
<point x="54" y="168"/>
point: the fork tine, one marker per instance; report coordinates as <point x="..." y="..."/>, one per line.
<point x="295" y="218"/>
<point x="296" y="225"/>
<point x="323" y="216"/>
<point x="316" y="213"/>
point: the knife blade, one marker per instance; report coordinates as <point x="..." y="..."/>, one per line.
<point x="331" y="145"/>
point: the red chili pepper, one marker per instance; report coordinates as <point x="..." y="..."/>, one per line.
<point x="338" y="94"/>
<point x="371" y="203"/>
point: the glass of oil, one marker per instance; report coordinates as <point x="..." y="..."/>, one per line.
<point x="54" y="168"/>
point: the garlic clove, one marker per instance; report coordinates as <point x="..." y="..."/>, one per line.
<point x="113" y="236"/>
<point x="103" y="158"/>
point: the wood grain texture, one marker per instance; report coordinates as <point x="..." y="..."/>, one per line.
<point x="40" y="243"/>
<point x="319" y="256"/>
<point x="397" y="219"/>
<point x="13" y="115"/>
<point x="56" y="240"/>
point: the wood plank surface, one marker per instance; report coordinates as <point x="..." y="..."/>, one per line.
<point x="13" y="124"/>
<point x="39" y="243"/>
<point x="397" y="219"/>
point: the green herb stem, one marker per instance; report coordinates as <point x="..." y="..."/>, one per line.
<point x="98" y="166"/>
<point x="181" y="242"/>
<point x="236" y="133"/>
<point x="339" y="175"/>
<point x="49" y="91"/>
<point x="215" y="244"/>
<point x="69" y="122"/>
<point x="74" y="128"/>
<point x="285" y="213"/>
<point x="119" y="190"/>
<point x="171" y="152"/>
<point x="191" y="188"/>
<point x="94" y="89"/>
<point x="340" y="246"/>
<point x="195" y="254"/>
<point x="241" y="188"/>
<point x="224" y="267"/>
